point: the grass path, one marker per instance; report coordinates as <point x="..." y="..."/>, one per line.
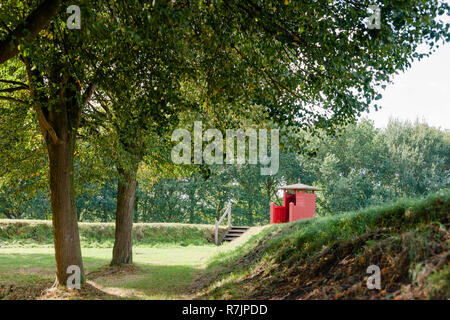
<point x="160" y="273"/>
<point x="164" y="272"/>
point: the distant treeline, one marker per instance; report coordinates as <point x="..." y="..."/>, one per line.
<point x="357" y="167"/>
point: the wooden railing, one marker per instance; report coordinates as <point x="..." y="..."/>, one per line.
<point x="218" y="222"/>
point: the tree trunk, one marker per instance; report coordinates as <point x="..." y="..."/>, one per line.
<point x="59" y="122"/>
<point x="9" y="215"/>
<point x="64" y="120"/>
<point x="64" y="215"/>
<point x="122" y="252"/>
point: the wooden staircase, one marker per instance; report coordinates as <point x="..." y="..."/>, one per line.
<point x="234" y="232"/>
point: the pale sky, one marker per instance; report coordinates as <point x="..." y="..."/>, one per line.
<point x="422" y="92"/>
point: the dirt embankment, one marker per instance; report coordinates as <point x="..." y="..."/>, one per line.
<point x="410" y="247"/>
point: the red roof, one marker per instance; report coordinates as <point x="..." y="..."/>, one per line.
<point x="299" y="186"/>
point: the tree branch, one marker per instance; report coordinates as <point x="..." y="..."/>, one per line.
<point x="4" y="26"/>
<point x="46" y="127"/>
<point x="14" y="100"/>
<point x="13" y="89"/>
<point x="87" y="95"/>
<point x="14" y="82"/>
<point x="28" y="29"/>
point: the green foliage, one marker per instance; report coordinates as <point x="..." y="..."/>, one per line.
<point x="18" y="203"/>
<point x="97" y="203"/>
<point x="307" y="237"/>
<point x="359" y="167"/>
<point x="22" y="157"/>
<point x="277" y="247"/>
<point x="229" y="64"/>
<point x="439" y="282"/>
<point x="37" y="233"/>
<point x="200" y="199"/>
<point x="363" y="166"/>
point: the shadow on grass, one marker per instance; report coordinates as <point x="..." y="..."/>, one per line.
<point x="31" y="275"/>
<point x="42" y="263"/>
<point x="148" y="281"/>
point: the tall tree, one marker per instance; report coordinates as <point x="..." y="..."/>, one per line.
<point x="60" y="69"/>
<point x="281" y="58"/>
<point x="139" y="100"/>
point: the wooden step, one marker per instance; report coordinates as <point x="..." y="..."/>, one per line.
<point x="234" y="232"/>
<point x="232" y="235"/>
<point x="229" y="239"/>
<point x="239" y="231"/>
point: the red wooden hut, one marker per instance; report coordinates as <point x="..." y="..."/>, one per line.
<point x="299" y="202"/>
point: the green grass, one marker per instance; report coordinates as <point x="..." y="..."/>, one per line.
<point x="166" y="268"/>
<point x="278" y="247"/>
<point x="304" y="238"/>
<point x="101" y="235"/>
<point x="163" y="273"/>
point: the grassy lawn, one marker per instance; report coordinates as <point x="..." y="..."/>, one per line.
<point x="160" y="273"/>
<point x="328" y="257"/>
<point x="165" y="271"/>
